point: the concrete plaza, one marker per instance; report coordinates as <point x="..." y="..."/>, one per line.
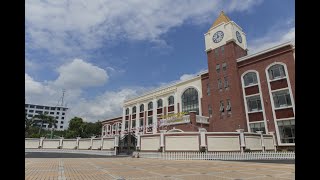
<point x="139" y="168"/>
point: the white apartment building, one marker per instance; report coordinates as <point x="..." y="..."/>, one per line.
<point x="58" y="112"/>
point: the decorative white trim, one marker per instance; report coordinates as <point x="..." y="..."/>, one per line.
<point x="271" y="98"/>
<point x="251" y="85"/>
<point x="261" y="100"/>
<point x="286" y="107"/>
<point x="277" y="79"/>
<point x="251" y="112"/>
<point x="265" y="51"/>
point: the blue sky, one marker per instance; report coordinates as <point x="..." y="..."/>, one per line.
<point x="103" y="52"/>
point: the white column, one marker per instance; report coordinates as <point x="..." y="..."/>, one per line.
<point x="137" y="119"/>
<point x="101" y="144"/>
<point x="116" y="143"/>
<point x="123" y="120"/>
<point x="77" y="145"/>
<point x="162" y="139"/>
<point x="92" y="137"/>
<point x="202" y="137"/>
<point x="60" y="143"/>
<point x="138" y="140"/>
<point x="262" y="141"/>
<point x="176" y="101"/>
<point x="242" y="142"/>
<point x="154" y="117"/>
<point x="41" y="142"/>
<point x="274" y="140"/>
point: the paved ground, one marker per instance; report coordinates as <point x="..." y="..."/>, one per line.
<point x="138" y="168"/>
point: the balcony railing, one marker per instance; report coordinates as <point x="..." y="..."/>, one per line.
<point x="175" y="120"/>
<point x="202" y="119"/>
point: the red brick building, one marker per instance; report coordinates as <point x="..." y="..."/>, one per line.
<point x="253" y="92"/>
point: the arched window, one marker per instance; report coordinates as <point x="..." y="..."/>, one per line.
<point x="159" y="103"/>
<point x="150" y="106"/>
<point x="190" y="100"/>
<point x="250" y="79"/>
<point x="276" y="71"/>
<point x="127" y="111"/>
<point x="134" y="110"/>
<point x="141" y="108"/>
<point x="171" y="100"/>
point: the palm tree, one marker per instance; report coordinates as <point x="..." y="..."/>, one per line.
<point x="28" y="123"/>
<point x="51" y="123"/>
<point x="42" y="118"/>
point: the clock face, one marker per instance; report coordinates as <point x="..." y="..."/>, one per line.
<point x="239" y="37"/>
<point x="217" y="37"/>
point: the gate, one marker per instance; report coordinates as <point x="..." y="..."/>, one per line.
<point x="127" y="144"/>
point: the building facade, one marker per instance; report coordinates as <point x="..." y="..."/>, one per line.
<point x="58" y="112"/>
<point x="253" y="92"/>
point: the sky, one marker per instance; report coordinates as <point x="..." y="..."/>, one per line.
<point x="104" y="51"/>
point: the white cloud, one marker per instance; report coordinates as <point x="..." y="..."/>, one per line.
<point x="73" y="25"/>
<point x="80" y="74"/>
<point x="32" y="87"/>
<point x="280" y="33"/>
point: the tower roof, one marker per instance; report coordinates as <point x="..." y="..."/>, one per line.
<point x="222" y="18"/>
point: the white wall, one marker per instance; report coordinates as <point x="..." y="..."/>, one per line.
<point x="223" y="143"/>
<point x="182" y="143"/>
<point x="150" y="143"/>
<point x="69" y="144"/>
<point x="108" y="143"/>
<point x="32" y="143"/>
<point x="253" y="142"/>
<point x="268" y="143"/>
<point x="96" y="143"/>
<point x="51" y="144"/>
<point x="84" y="143"/>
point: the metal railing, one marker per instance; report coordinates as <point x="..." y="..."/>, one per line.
<point x="218" y="155"/>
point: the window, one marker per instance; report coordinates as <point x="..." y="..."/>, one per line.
<point x="228" y="105"/>
<point x="281" y="98"/>
<point x="63" y="113"/>
<point x="226" y="83"/>
<point x="224" y="66"/>
<point x="64" y="109"/>
<point x="276" y="72"/>
<point x="61" y="127"/>
<point x="26" y="105"/>
<point x="57" y="112"/>
<point x="210" y="110"/>
<point x="133" y="123"/>
<point x="134" y="110"/>
<point x="141" y="122"/>
<point x="39" y="107"/>
<point x="56" y="121"/>
<point x="51" y="112"/>
<point x="30" y="111"/>
<point x="254" y="103"/>
<point x="219" y="84"/>
<point x="62" y="117"/>
<point x="216" y="52"/>
<point x="141" y="108"/>
<point x="47" y="108"/>
<point x="39" y="112"/>
<point x="250" y="79"/>
<point x="218" y="68"/>
<point x="58" y="109"/>
<point x="127" y="111"/>
<point x="222" y="49"/>
<point x="57" y="117"/>
<point x="29" y="115"/>
<point x="126" y="125"/>
<point x="171" y="100"/>
<point x="150" y="120"/>
<point x="190" y="100"/>
<point x="254" y="127"/>
<point x="159" y="103"/>
<point x="287" y="131"/>
<point x="31" y="106"/>
<point x="46" y="112"/>
<point x="208" y="89"/>
<point x="61" y="122"/>
<point x="221" y="109"/>
<point x="53" y="108"/>
<point x="150" y="106"/>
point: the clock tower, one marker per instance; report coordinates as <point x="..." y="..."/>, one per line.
<point x="225" y="42"/>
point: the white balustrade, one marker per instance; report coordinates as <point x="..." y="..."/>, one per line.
<point x="202" y="119"/>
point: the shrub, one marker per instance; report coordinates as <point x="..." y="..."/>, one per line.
<point x="247" y="150"/>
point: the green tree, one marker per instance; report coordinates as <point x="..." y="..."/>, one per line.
<point x="51" y="123"/>
<point x="42" y="118"/>
<point x="28" y="123"/>
<point x="77" y="126"/>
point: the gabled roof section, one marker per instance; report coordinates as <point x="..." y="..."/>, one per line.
<point x="221" y="18"/>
